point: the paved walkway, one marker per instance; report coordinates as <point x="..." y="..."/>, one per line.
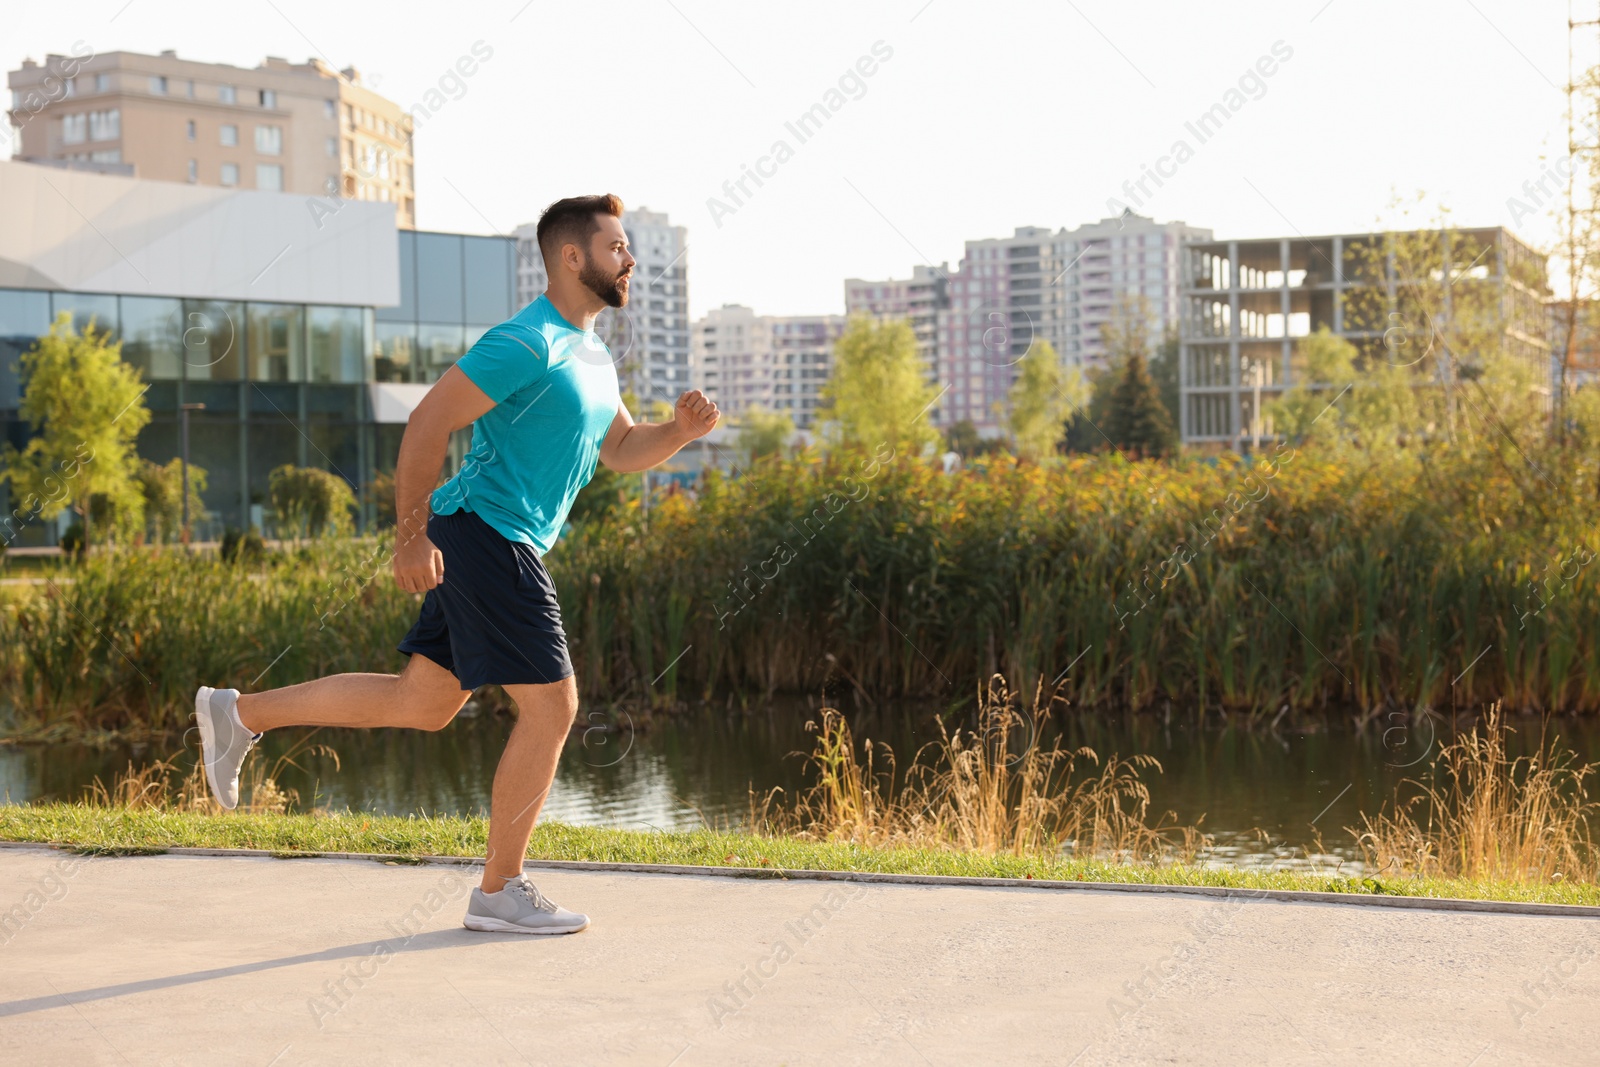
<point x="169" y="960"/>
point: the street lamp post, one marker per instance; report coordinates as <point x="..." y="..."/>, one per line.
<point x="183" y="462"/>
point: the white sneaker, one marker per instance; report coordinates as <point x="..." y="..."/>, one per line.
<point x="520" y="908"/>
<point x="224" y="742"/>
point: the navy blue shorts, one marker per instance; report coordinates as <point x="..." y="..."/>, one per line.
<point x="494" y="619"/>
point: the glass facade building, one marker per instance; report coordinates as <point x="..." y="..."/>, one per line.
<point x="281" y="382"/>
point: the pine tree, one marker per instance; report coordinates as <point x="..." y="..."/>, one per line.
<point x="1138" y="422"/>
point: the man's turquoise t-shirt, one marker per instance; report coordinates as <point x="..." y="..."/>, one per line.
<point x="555" y="393"/>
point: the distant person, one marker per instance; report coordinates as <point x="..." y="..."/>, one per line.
<point x="540" y="392"/>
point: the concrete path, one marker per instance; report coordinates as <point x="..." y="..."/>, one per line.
<point x="169" y="960"/>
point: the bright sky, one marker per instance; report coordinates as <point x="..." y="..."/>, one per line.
<point x="985" y="116"/>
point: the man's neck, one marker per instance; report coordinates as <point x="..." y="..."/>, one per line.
<point x="579" y="309"/>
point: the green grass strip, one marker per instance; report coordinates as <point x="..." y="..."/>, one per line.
<point x="112" y="831"/>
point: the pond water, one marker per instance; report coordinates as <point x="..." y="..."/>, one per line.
<point x="1262" y="792"/>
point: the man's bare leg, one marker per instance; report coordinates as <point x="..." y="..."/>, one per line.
<point x="527" y="767"/>
<point x="424" y="696"/>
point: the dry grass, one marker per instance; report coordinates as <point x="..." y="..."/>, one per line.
<point x="995" y="789"/>
<point x="1488" y="816"/>
<point x="175" y="784"/>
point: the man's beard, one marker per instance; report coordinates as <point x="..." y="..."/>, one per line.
<point x="608" y="287"/>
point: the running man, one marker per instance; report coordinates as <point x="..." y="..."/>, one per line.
<point x="540" y="393"/>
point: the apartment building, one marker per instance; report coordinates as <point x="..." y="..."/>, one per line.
<point x="1247" y="304"/>
<point x="777" y="362"/>
<point x="974" y="324"/>
<point x="917" y="299"/>
<point x="280" y="127"/>
<point x="649" y="339"/>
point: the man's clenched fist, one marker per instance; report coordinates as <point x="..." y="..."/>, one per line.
<point x="695" y="414"/>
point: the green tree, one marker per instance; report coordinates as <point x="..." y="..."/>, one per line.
<point x="763" y="432"/>
<point x="963" y="439"/>
<point x="877" y="393"/>
<point x="1339" y="405"/>
<point x="1041" y="398"/>
<point x="86" y="409"/>
<point x="1164" y="369"/>
<point x="1084" y="425"/>
<point x="306" y="501"/>
<point x="1136" y="420"/>
<point x="162" y="489"/>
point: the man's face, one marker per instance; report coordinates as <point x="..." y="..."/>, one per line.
<point x="608" y="268"/>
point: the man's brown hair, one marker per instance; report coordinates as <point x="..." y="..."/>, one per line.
<point x="573" y="221"/>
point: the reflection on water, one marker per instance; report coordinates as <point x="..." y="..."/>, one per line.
<point x="1263" y="794"/>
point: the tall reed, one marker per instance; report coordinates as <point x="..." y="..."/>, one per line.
<point x="1328" y="585"/>
<point x="995" y="788"/>
<point x="179" y="784"/>
<point x="1486" y="815"/>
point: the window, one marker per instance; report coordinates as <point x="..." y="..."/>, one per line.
<point x="102" y="83"/>
<point x="440" y="278"/>
<point x="86" y="308"/>
<point x="151" y="335"/>
<point x="194" y="170"/>
<point x="269" y="176"/>
<point x="438" y="347"/>
<point x="69" y="88"/>
<point x="269" y="140"/>
<point x="105" y="125"/>
<point x="191" y="129"/>
<point x="230" y="136"/>
<point x="488" y="267"/>
<point x="338" y="353"/>
<point x="276" y="342"/>
<point x="333" y="146"/>
<point x="158" y="84"/>
<point x="227" y="94"/>
<point x="113" y="155"/>
<point x="395" y="351"/>
<point x="330" y="110"/>
<point x="269" y="98"/>
<point x="230" y="174"/>
<point x="24" y="316"/>
<point x="189" y="88"/>
<point x="213" y="342"/>
<point x="74" y="128"/>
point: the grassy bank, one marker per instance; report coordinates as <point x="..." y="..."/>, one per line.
<point x="1312" y="581"/>
<point x="122" y="831"/>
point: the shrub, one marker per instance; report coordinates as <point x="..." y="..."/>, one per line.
<point x="71" y="541"/>
<point x="243" y="546"/>
<point x="307" y="502"/>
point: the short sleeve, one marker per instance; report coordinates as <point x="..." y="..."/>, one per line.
<point x="505" y="359"/>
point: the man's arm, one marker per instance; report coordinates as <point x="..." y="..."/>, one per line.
<point x="629" y="447"/>
<point x="453" y="402"/>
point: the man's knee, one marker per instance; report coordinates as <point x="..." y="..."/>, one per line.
<point x="428" y="702"/>
<point x="438" y="715"/>
<point x="555" y="702"/>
